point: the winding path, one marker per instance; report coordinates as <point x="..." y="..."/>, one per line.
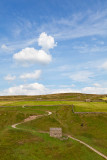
<point x="49" y="113"/>
<point x="30" y="118"/>
<point x="88" y="146"/>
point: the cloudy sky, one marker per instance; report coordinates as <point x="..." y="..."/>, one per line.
<point x="53" y="46"/>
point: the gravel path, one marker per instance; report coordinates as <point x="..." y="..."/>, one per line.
<point x="25" y="120"/>
<point x="99" y="153"/>
<point x="30" y="118"/>
<point x="49" y="113"/>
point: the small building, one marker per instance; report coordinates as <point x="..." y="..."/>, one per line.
<point x="38" y="99"/>
<point x="56" y="132"/>
<point x="87" y="100"/>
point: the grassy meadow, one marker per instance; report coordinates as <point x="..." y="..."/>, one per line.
<point x="79" y="106"/>
<point x="30" y="143"/>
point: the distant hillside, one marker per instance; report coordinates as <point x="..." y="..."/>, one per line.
<point x="61" y="96"/>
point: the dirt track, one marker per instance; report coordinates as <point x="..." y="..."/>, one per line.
<point x="99" y="153"/>
<point x="30" y="118"/>
<point x="49" y="113"/>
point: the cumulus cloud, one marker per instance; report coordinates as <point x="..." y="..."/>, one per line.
<point x="26" y="89"/>
<point x="34" y="75"/>
<point x="34" y="89"/>
<point x="46" y="42"/>
<point x="29" y="56"/>
<point x="40" y="89"/>
<point x="81" y="76"/>
<point x="9" y="78"/>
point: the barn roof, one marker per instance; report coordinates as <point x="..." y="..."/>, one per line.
<point x="54" y="129"/>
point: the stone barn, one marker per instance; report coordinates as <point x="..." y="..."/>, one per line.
<point x="87" y="100"/>
<point x="56" y="132"/>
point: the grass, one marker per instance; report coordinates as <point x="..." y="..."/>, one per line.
<point x="104" y="98"/>
<point x="53" y="97"/>
<point x="30" y="144"/>
<point x="21" y="145"/>
<point x="79" y="106"/>
<point x="93" y="130"/>
<point x="90" y="106"/>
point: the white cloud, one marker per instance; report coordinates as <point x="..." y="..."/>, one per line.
<point x="9" y="78"/>
<point x="67" y="90"/>
<point x="79" y="25"/>
<point x="94" y="90"/>
<point x="97" y="85"/>
<point x="6" y="48"/>
<point x="26" y="89"/>
<point x="34" y="89"/>
<point x="34" y="75"/>
<point x="30" y="56"/>
<point x="81" y="76"/>
<point x="90" y="48"/>
<point x="87" y="90"/>
<point x="3" y="46"/>
<point x="104" y="65"/>
<point x="46" y="42"/>
<point x="40" y="89"/>
<point x="11" y="46"/>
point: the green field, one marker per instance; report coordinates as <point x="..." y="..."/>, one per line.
<point x="28" y="143"/>
<point x="104" y="98"/>
<point x="78" y="106"/>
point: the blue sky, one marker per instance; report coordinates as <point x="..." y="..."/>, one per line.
<point x="53" y="46"/>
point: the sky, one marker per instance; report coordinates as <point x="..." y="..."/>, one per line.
<point x="51" y="47"/>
